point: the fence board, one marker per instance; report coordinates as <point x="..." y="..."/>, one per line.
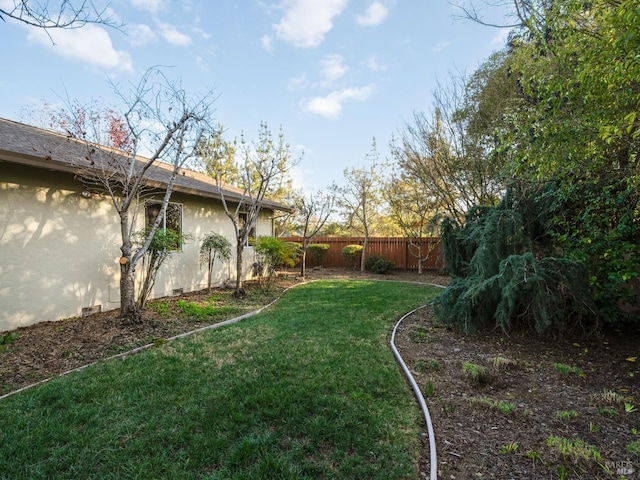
<point x="397" y="250"/>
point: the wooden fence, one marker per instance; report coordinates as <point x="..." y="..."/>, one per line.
<point x="395" y="249"/>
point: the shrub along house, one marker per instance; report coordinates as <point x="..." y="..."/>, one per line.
<point x="59" y="240"/>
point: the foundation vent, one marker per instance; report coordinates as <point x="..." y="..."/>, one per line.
<point x="91" y="310"/>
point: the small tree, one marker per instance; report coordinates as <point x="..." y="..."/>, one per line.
<point x="162" y="246"/>
<point x="313" y="211"/>
<point x="159" y="118"/>
<point x="414" y="211"/>
<point x="214" y="246"/>
<point x="360" y="198"/>
<point x="262" y="170"/>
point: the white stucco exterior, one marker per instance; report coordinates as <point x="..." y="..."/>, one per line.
<point x="59" y="251"/>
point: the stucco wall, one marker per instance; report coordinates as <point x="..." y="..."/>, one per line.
<point x="59" y="251"/>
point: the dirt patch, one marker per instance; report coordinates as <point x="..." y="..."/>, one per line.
<point x="528" y="394"/>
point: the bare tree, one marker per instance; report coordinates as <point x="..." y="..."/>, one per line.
<point x="313" y="211"/>
<point x="63" y="14"/>
<point x="361" y="196"/>
<point x="161" y="119"/>
<point x="512" y="13"/>
<point x="262" y="169"/>
<point x="414" y="212"/>
<point x="452" y="153"/>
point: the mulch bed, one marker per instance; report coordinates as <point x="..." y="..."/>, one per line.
<point x="476" y="439"/>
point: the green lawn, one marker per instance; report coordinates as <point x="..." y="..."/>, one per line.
<point x="307" y="389"/>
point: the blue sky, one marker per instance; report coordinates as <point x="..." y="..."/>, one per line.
<point x="333" y="73"/>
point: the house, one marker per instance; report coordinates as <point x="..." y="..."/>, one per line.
<point x="59" y="239"/>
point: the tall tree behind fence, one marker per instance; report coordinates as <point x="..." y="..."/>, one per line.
<point x="394" y="249"/>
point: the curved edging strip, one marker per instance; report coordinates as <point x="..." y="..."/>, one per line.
<point x="418" y="393"/>
<point x="124" y="355"/>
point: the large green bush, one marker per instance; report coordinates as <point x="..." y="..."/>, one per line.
<point x="317" y="252"/>
<point x="378" y="264"/>
<point x="352" y="254"/>
<point x="292" y="254"/>
<point x="506" y="270"/>
<point x="269" y="252"/>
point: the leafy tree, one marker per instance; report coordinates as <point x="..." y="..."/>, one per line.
<point x="263" y="168"/>
<point x="159" y="117"/>
<point x="214" y="246"/>
<point x="579" y="127"/>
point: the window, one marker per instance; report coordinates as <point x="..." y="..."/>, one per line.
<point x="252" y="233"/>
<point x="172" y="219"/>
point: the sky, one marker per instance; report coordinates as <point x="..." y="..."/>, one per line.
<point x="333" y="74"/>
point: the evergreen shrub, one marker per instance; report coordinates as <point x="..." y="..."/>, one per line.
<point x="378" y="264"/>
<point x="505" y="270"/>
<point x="351" y="254"/>
<point x="292" y="254"/>
<point x="317" y="252"/>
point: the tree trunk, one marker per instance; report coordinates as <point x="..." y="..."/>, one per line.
<point x="239" y="292"/>
<point x="363" y="258"/>
<point x="303" y="267"/>
<point x="210" y="264"/>
<point x="128" y="307"/>
<point x="420" y="256"/>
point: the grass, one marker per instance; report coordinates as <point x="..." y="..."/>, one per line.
<point x="419" y="334"/>
<point x="478" y="373"/>
<point x="509" y="448"/>
<point x="423" y="365"/>
<point x="565" y="369"/>
<point x="574" y="449"/>
<point x="503" y="406"/>
<point x="566" y="415"/>
<point x="308" y="389"/>
<point x="7" y="339"/>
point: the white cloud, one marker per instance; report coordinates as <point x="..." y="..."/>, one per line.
<point x="141" y="35"/>
<point x="373" y="15"/>
<point x="330" y="106"/>
<point x="306" y="22"/>
<point x="151" y="6"/>
<point x="173" y="36"/>
<point x="332" y="67"/>
<point x="90" y="44"/>
<point x="267" y="43"/>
